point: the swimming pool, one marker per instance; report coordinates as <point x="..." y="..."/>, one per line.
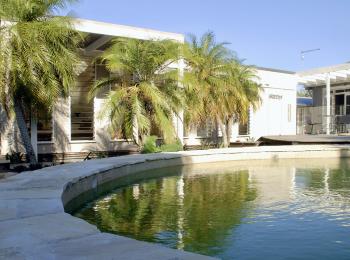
<point x="260" y="209"/>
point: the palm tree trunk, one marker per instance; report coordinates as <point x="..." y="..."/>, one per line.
<point x="223" y="132"/>
<point x="24" y="133"/>
<point x="135" y="131"/>
<point x="229" y="125"/>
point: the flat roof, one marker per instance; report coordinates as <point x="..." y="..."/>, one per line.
<point x="275" y="70"/>
<point x="109" y="29"/>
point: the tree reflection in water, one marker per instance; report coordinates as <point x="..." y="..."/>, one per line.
<point x="193" y="213"/>
<point x="242" y="210"/>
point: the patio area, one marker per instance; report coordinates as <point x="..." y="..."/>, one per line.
<point x="330" y="110"/>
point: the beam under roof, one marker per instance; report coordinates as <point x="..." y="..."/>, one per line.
<point x="98" y="43"/>
<point x="318" y="77"/>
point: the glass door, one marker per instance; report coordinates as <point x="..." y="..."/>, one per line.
<point x="347" y="105"/>
<point x="339" y="104"/>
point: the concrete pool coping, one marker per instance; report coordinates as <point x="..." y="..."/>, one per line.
<point x="34" y="224"/>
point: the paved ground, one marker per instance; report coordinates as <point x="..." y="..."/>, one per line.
<point x="308" y="139"/>
<point x="34" y="225"/>
<point x="6" y="174"/>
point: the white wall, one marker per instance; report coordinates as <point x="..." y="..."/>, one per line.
<point x="272" y="117"/>
<point x="279" y="93"/>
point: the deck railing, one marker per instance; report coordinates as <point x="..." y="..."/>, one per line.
<point x="313" y="120"/>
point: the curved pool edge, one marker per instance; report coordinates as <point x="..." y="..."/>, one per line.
<point x="33" y="222"/>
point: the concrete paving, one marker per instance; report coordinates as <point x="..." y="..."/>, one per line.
<point x="5" y="174"/>
<point x="34" y="224"/>
<point x="306" y="139"/>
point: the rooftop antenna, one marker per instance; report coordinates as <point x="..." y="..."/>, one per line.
<point x="302" y="53"/>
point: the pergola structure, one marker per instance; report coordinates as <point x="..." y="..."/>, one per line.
<point x="328" y="77"/>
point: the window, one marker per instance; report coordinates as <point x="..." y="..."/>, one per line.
<point x="82" y="109"/>
<point x="205" y="129"/>
<point x="347" y="108"/>
<point x="339" y="104"/>
<point x="44" y="125"/>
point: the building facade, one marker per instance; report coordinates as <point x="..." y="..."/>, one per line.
<point x="75" y="126"/>
<point x="276" y="114"/>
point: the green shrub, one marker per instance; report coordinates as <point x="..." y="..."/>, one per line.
<point x="15" y="157"/>
<point x="174" y="147"/>
<point x="150" y="145"/>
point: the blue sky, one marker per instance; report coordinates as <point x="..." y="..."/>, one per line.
<point x="269" y="33"/>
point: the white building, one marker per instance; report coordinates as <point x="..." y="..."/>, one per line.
<point x="75" y="128"/>
<point x="275" y="116"/>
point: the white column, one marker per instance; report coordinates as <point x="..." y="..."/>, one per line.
<point x="62" y="125"/>
<point x="34" y="133"/>
<point x="101" y="124"/>
<point x="328" y="103"/>
<point x="178" y="125"/>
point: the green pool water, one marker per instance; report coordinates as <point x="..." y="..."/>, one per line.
<point x="293" y="209"/>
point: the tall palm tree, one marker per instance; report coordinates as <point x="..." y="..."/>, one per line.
<point x="217" y="86"/>
<point x="145" y="91"/>
<point x="38" y="56"/>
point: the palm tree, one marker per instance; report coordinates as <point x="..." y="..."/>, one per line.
<point x="241" y="95"/>
<point x="145" y="91"/>
<point x="217" y="86"/>
<point x="38" y="56"/>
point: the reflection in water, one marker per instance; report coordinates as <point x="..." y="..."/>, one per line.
<point x="297" y="209"/>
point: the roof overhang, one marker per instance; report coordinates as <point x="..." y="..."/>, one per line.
<point x="338" y="74"/>
<point x="100" y="34"/>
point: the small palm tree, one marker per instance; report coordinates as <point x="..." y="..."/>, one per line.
<point x="38" y="56"/>
<point x="217" y="86"/>
<point x="242" y="94"/>
<point x="144" y="91"/>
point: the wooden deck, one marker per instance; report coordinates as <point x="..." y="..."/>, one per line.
<point x="304" y="139"/>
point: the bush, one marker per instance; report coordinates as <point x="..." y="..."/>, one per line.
<point x="174" y="147"/>
<point x="150" y="145"/>
<point x="15" y="157"/>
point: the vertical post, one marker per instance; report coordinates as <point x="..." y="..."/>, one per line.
<point x="328" y="103"/>
<point x="34" y="133"/>
<point x="179" y="127"/>
<point x="62" y="125"/>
